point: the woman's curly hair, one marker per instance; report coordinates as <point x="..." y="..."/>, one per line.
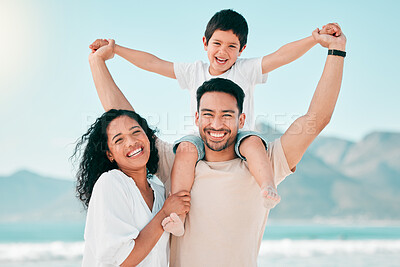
<point x="94" y="161"/>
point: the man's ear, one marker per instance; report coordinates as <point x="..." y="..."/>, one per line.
<point x="241" y="50"/>
<point x="110" y="156"/>
<point x="242" y="119"/>
<point x="196" y="120"/>
<point x="205" y="43"/>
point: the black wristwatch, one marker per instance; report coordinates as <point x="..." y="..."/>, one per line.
<point x="335" y="52"/>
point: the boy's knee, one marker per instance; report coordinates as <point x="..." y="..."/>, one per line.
<point x="189" y="145"/>
<point x="186" y="147"/>
<point x="251" y="143"/>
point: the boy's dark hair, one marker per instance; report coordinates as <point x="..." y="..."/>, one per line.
<point x="94" y="160"/>
<point x="226" y="20"/>
<point x="224" y="86"/>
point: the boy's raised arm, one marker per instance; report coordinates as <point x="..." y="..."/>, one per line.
<point x="140" y="59"/>
<point x="294" y="50"/>
<point x="110" y="95"/>
<point x="305" y="129"/>
<point x="147" y="61"/>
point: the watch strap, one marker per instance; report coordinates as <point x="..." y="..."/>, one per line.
<point x="335" y="52"/>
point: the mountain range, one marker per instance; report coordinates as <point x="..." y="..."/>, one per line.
<point x="343" y="179"/>
<point x="335" y="179"/>
<point x="26" y="196"/>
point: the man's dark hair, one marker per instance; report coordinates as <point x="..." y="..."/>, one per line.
<point x="226" y="20"/>
<point x="224" y="86"/>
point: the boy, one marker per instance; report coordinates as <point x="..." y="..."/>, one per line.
<point x="224" y="40"/>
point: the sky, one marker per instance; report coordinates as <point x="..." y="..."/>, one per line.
<point x="48" y="99"/>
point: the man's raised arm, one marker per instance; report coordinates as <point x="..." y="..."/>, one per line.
<point x="305" y="129"/>
<point x="110" y="95"/>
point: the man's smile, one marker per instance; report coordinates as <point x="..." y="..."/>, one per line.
<point x="216" y="135"/>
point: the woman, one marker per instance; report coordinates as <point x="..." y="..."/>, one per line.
<point x="125" y="205"/>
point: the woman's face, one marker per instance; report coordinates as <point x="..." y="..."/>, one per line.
<point x="128" y="144"/>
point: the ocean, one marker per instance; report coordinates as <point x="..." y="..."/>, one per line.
<point x="45" y="245"/>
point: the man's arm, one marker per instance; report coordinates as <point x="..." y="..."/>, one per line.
<point x="110" y="95"/>
<point x="140" y="59"/>
<point x="292" y="51"/>
<point x="305" y="129"/>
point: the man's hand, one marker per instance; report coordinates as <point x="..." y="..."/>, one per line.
<point x="331" y="29"/>
<point x="105" y="52"/>
<point x="329" y="41"/>
<point x="97" y="44"/>
<point x="306" y="128"/>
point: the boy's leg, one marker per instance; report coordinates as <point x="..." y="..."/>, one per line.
<point x="188" y="151"/>
<point x="252" y="148"/>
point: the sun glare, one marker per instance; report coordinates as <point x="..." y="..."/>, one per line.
<point x="18" y="30"/>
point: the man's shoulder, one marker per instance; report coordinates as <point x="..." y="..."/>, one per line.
<point x="163" y="146"/>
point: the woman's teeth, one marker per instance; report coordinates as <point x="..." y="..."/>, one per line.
<point x="135" y="152"/>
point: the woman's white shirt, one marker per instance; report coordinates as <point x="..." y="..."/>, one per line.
<point x="116" y="214"/>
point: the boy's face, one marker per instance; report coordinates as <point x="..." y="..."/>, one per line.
<point x="223" y="49"/>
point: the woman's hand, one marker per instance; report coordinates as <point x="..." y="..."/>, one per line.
<point x="178" y="203"/>
<point x="104" y="52"/>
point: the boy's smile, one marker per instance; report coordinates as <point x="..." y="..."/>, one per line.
<point x="223" y="49"/>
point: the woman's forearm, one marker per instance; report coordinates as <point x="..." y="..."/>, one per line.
<point x="109" y="94"/>
<point x="145" y="241"/>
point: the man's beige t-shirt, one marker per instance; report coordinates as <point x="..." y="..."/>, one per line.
<point x="227" y="218"/>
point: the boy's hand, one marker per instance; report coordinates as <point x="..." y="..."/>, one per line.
<point x="104" y="52"/>
<point x="97" y="44"/>
<point x="331" y="29"/>
<point x="329" y="41"/>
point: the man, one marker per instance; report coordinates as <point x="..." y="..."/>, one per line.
<point x="227" y="217"/>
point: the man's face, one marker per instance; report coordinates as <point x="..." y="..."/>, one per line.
<point x="218" y="120"/>
<point x="223" y="49"/>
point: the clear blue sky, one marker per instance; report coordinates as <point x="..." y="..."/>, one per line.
<point x="47" y="97"/>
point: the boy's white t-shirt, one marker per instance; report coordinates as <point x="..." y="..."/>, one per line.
<point x="116" y="214"/>
<point x="245" y="72"/>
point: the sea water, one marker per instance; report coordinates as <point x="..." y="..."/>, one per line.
<point x="45" y="245"/>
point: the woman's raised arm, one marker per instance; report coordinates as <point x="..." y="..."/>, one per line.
<point x="110" y="95"/>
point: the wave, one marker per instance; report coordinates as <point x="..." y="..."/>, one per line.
<point x="12" y="252"/>
<point x="73" y="251"/>
<point x="308" y="248"/>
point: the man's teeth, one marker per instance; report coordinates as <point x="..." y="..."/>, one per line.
<point x="135" y="152"/>
<point x="217" y="134"/>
